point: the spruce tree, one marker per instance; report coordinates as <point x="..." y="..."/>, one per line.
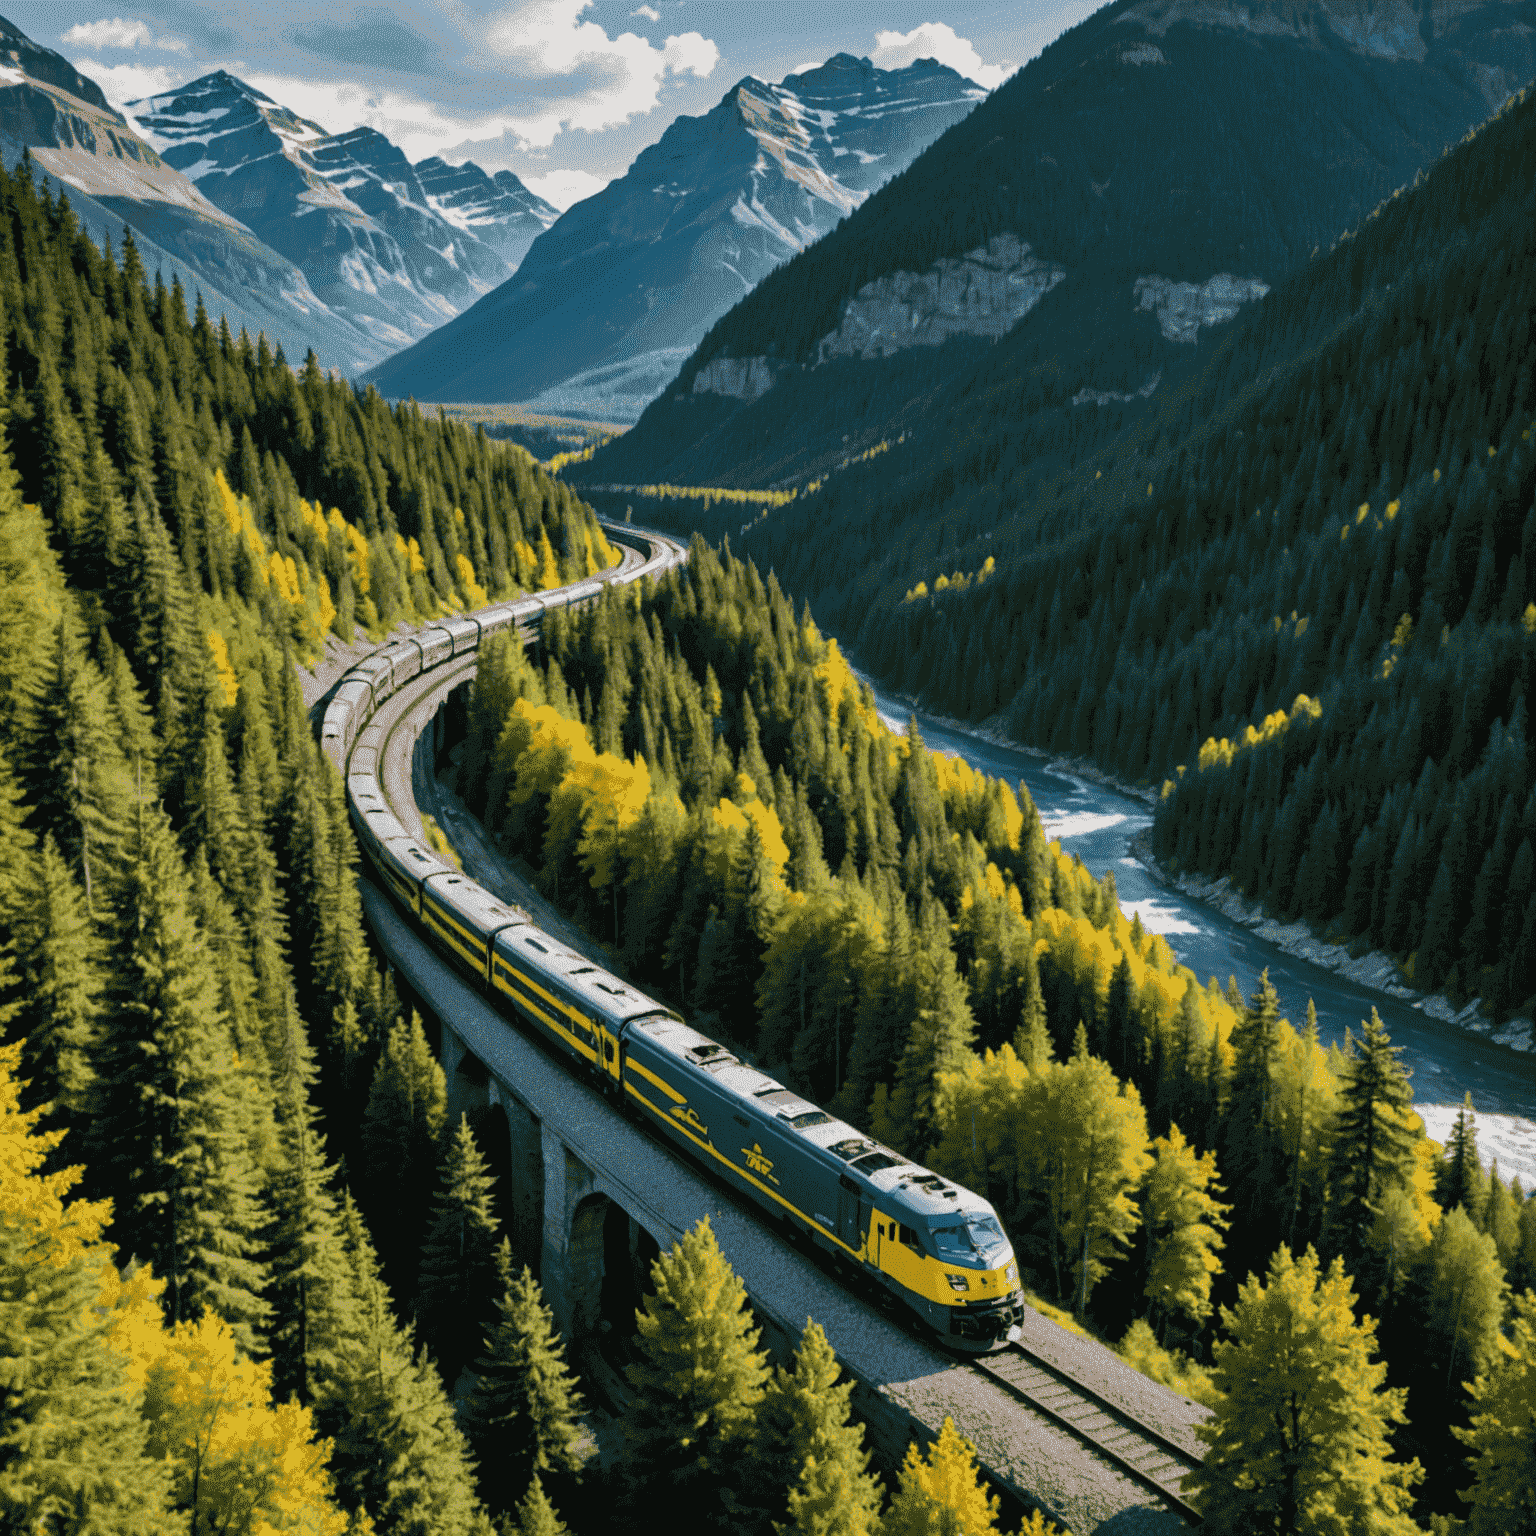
<point x="1372" y="1141"/>
<point x="310" y="1291"/>
<point x="697" y="1382"/>
<point x="399" y="1455"/>
<point x="522" y="1414"/>
<point x="168" y="1132"/>
<point x="1459" y="1178"/>
<point x="60" y="984"/>
<point x="804" y="1433"/>
<point x="941" y="1493"/>
<point x="536" y="1516"/>
<point x="401" y="1140"/>
<point x="1300" y="1437"/>
<point x="457" y="1282"/>
<point x="1248" y="1131"/>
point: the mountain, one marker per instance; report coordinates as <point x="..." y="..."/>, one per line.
<point x="115" y="181"/>
<point x="1154" y="170"/>
<point x="395" y="251"/>
<point x="613" y="298"/>
<point x="497" y="209"/>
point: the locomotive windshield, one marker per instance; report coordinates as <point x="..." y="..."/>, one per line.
<point x="972" y="1239"/>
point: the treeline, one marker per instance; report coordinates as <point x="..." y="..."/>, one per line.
<point x="696" y="774"/>
<point x="1342" y="505"/>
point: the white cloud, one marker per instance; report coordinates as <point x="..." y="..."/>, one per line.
<point x="122" y="83"/>
<point x="938" y="40"/>
<point x="119" y="32"/>
<point x="649" y="12"/>
<point x="611" y="79"/>
<point x="563" y="188"/>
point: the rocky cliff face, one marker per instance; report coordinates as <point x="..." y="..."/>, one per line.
<point x="498" y="210"/>
<point x="1158" y="167"/>
<point x="627" y="282"/>
<point x="117" y="182"/>
<point x="375" y="241"/>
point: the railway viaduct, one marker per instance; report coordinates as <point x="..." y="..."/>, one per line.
<point x="591" y="1198"/>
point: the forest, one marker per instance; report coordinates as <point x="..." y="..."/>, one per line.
<point x="693" y="771"/>
<point x="1340" y="504"/>
<point x="215" y="1315"/>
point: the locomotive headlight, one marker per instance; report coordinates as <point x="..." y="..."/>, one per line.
<point x="958" y="1282"/>
<point x="1012" y="1272"/>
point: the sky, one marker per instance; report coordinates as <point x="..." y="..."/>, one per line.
<point x="564" y="93"/>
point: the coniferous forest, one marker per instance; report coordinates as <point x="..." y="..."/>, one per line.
<point x="1337" y="502"/>
<point x="252" y="1278"/>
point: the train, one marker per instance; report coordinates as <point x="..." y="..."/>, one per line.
<point x="934" y="1246"/>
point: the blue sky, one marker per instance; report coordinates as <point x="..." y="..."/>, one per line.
<point x="563" y="92"/>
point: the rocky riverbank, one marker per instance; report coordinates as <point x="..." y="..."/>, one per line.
<point x="1376" y="970"/>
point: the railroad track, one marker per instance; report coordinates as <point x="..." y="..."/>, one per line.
<point x="1135" y="1448"/>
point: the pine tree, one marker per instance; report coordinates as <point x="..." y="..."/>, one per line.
<point x="457" y="1284"/>
<point x="59" y="988"/>
<point x="401" y="1138"/>
<point x="1502" y="1451"/>
<point x="72" y="1439"/>
<point x="536" y="1515"/>
<point x="1032" y="1041"/>
<point x="168" y="1130"/>
<point x="697" y="1382"/>
<point x="941" y="1493"/>
<point x="522" y="1414"/>
<point x="1372" y="1141"/>
<point x="1299" y="1441"/>
<point x="803" y="1431"/>
<point x="398" y="1453"/>
<point x="1459" y="1178"/>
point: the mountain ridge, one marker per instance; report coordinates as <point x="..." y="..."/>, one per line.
<point x="1137" y="153"/>
<point x="348" y="209"/>
<point x="628" y="278"/>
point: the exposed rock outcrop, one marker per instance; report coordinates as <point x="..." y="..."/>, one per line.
<point x="1110" y="396"/>
<point x="986" y="292"/>
<point x="738" y="378"/>
<point x="1182" y="308"/>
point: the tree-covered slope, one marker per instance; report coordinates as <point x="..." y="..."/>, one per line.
<point x="1341" y="506"/>
<point x="1140" y="156"/>
<point x="186" y="991"/>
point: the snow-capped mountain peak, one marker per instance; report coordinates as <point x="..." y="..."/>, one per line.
<point x="625" y="283"/>
<point x="399" y="253"/>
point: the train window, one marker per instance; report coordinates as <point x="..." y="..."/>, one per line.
<point x="911" y="1239"/>
<point x="876" y="1161"/>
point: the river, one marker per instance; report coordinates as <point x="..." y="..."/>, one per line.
<point x="1098" y="823"/>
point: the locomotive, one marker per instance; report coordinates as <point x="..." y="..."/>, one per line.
<point x="935" y="1246"/>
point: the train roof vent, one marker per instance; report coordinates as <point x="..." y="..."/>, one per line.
<point x="534" y="944"/>
<point x="582" y="970"/>
<point x="852" y="1147"/>
<point x="876" y="1162"/>
<point x="708" y="1054"/>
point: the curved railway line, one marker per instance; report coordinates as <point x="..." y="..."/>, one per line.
<point x="1110" y="1430"/>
